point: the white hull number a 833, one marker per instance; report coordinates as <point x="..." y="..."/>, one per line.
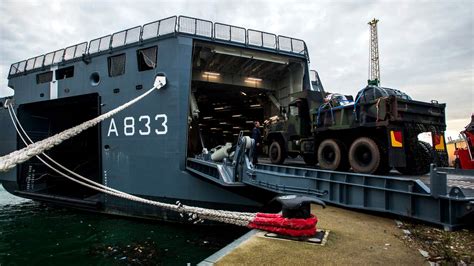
<point x="143" y="126"/>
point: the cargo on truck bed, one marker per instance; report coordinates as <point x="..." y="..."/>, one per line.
<point x="371" y="134"/>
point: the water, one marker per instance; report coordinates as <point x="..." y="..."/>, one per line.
<point x="37" y="234"/>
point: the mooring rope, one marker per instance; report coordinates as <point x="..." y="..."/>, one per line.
<point x="9" y="161"/>
<point x="195" y="213"/>
<point x="269" y="222"/>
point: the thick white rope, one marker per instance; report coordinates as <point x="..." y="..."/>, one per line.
<point x="9" y="161"/>
<point x="237" y="218"/>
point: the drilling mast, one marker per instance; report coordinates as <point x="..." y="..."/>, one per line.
<point x="374" y="66"/>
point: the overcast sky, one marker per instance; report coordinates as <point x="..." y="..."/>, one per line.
<point x="426" y="47"/>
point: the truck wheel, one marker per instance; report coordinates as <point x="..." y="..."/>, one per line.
<point x="277" y="152"/>
<point x="331" y="155"/>
<point x="418" y="160"/>
<point x="309" y="159"/>
<point x="364" y="156"/>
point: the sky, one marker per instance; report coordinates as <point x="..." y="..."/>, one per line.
<point x="426" y="47"/>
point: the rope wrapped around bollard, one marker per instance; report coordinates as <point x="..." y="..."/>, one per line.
<point x="276" y="223"/>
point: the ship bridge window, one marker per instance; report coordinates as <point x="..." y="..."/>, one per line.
<point x="116" y="65"/>
<point x="44" y="77"/>
<point x="147" y="58"/>
<point x="64" y="73"/>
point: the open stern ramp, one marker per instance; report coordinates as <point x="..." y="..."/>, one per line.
<point x="394" y="195"/>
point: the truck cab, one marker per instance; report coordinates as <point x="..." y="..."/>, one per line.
<point x="290" y="133"/>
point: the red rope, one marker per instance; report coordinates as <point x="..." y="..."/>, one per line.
<point x="284" y="226"/>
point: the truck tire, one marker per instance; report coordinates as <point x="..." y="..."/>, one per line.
<point x="365" y="156"/>
<point x="277" y="152"/>
<point x="331" y="155"/>
<point x="418" y="160"/>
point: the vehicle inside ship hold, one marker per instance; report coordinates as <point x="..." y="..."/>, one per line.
<point x="232" y="87"/>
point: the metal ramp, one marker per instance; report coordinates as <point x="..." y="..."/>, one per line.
<point x="395" y="195"/>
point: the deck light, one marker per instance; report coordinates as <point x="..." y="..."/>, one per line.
<point x="255" y="105"/>
<point x="211" y="75"/>
<point x="252" y="80"/>
<point x="219" y="108"/>
<point x="207" y="117"/>
<point x="239" y="115"/>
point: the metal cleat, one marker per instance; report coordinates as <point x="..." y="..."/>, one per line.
<point x="294" y="206"/>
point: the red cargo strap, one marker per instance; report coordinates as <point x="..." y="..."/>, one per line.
<point x="285" y="226"/>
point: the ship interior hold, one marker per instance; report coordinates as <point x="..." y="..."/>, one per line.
<point x="233" y="87"/>
<point x="80" y="154"/>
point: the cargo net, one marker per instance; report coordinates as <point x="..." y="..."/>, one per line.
<point x="276" y="223"/>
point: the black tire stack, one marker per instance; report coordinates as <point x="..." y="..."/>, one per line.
<point x="418" y="159"/>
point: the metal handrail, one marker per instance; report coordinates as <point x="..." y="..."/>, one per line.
<point x="21" y="66"/>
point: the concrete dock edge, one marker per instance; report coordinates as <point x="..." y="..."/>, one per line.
<point x="227" y="249"/>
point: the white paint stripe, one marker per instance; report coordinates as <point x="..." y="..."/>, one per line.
<point x="53" y="85"/>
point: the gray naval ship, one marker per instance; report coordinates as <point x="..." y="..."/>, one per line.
<point x="220" y="78"/>
<point x="143" y="150"/>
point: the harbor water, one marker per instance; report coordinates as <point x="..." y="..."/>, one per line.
<point x="32" y="233"/>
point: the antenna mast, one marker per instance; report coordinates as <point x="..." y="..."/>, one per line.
<point x="374" y="66"/>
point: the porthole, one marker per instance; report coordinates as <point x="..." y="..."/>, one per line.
<point x="95" y="79"/>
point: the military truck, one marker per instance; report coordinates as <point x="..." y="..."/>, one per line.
<point x="373" y="133"/>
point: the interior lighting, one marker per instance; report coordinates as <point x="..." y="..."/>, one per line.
<point x="239" y="115"/>
<point x="210" y="75"/>
<point x="252" y="80"/>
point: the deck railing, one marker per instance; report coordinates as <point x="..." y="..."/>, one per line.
<point x="171" y="25"/>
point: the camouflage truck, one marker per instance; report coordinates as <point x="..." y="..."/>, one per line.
<point x="374" y="133"/>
